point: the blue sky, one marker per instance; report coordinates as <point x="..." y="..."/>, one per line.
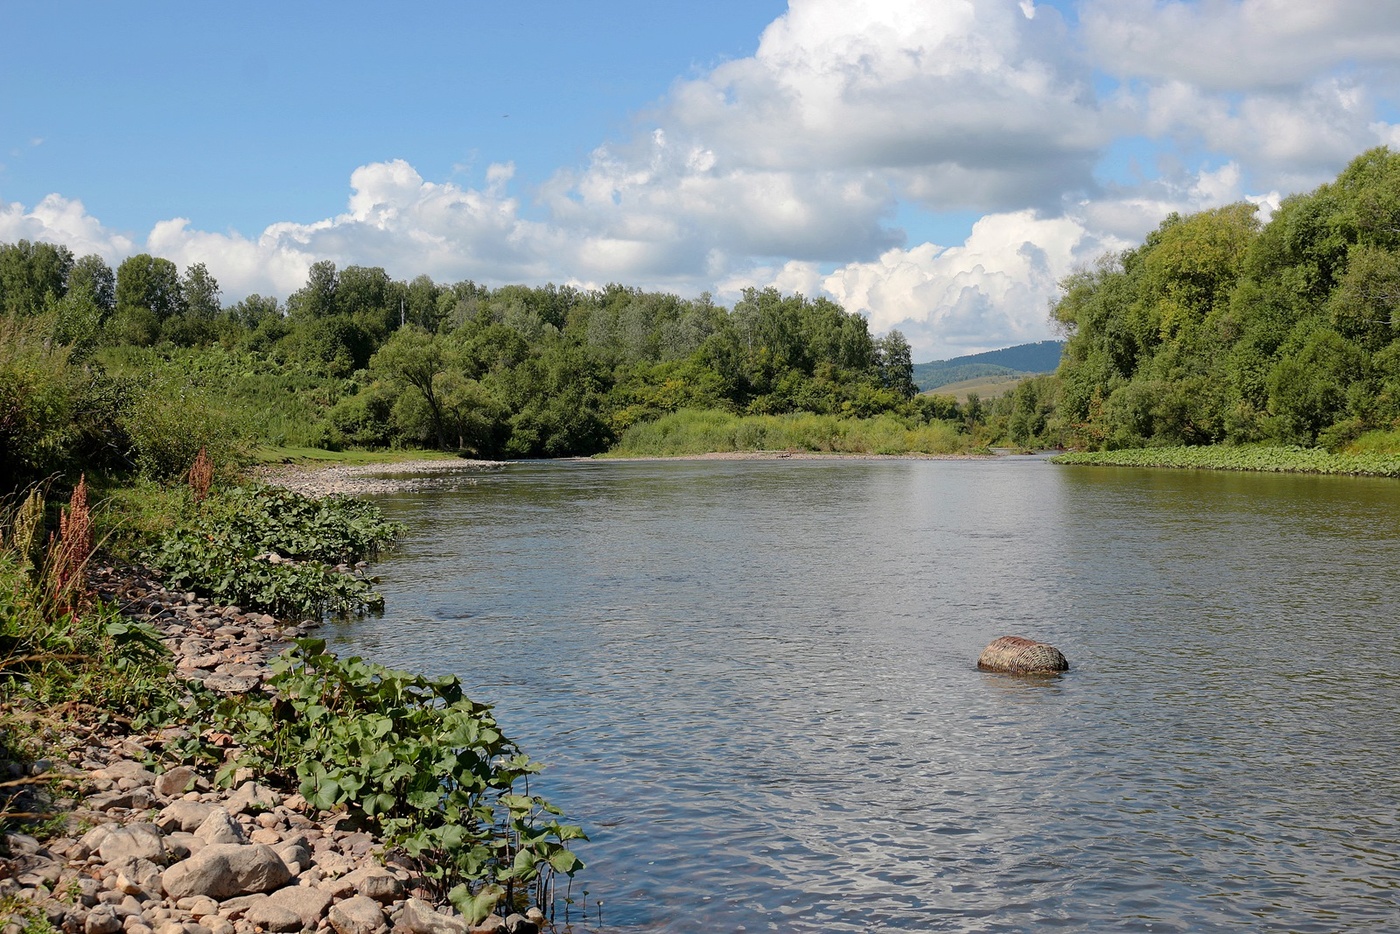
<point x="937" y="165"/>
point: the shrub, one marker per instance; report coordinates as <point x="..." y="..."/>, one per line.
<point x="414" y="758"/>
<point x="270" y="548"/>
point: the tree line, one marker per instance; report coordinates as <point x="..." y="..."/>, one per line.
<point x="1221" y="329"/>
<point x="356" y="358"/>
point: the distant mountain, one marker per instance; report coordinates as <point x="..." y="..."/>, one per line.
<point x="1022" y="360"/>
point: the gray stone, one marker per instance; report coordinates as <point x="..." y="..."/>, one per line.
<point x="273" y="917"/>
<point x="519" y="924"/>
<point x="310" y="905"/>
<point x="418" y="917"/>
<point x="220" y="827"/>
<point x="22" y="843"/>
<point x="136" y="876"/>
<point x="226" y="870"/>
<point x="224" y="682"/>
<point x="250" y="797"/>
<point x="183" y="815"/>
<point x="175" y="782"/>
<point x="295" y="855"/>
<point x="102" y="920"/>
<point x="134" y="841"/>
<point x="133" y="799"/>
<point x="377" y="883"/>
<point x="357" y="915"/>
<point x="125" y="768"/>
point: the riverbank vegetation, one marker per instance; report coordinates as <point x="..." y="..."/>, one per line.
<point x="1269" y="459"/>
<point x="409" y="757"/>
<point x="1222" y="330"/>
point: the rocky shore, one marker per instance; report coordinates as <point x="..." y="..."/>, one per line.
<point x="362" y="479"/>
<point x="147" y="845"/>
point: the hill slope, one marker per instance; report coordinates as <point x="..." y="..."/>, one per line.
<point x="1023" y="359"/>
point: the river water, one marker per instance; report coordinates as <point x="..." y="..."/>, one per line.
<point x="754" y="684"/>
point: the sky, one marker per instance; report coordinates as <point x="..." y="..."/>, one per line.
<point x="935" y="165"/>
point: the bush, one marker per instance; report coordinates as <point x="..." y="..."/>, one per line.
<point x="272" y="549"/>
<point x="414" y="758"/>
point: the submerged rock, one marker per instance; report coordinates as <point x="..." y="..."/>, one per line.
<point x="1018" y="656"/>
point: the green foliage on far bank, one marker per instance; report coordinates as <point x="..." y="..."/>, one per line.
<point x="1250" y="457"/>
<point x="702" y="432"/>
<point x="1220" y="330"/>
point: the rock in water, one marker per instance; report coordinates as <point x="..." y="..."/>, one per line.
<point x="1018" y="656"/>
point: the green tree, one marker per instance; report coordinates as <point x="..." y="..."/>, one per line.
<point x="200" y="292"/>
<point x="151" y="284"/>
<point x="416" y="359"/>
<point x="895" y="365"/>
<point x="32" y="275"/>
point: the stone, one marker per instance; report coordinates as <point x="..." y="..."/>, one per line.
<point x="103" y="919"/>
<point x="418" y="917"/>
<point x="250" y="797"/>
<point x="225" y="870"/>
<point x="138" y="841"/>
<point x="310" y="905"/>
<point x="220" y="827"/>
<point x="296" y="855"/>
<point x="18" y="843"/>
<point x="175" y="782"/>
<point x="272" y="917"/>
<point x="1018" y="656"/>
<point x="376" y="883"/>
<point x="136" y="876"/>
<point x="358" y="914"/>
<point x="183" y="815"/>
<point x="491" y="925"/>
<point x="519" y="924"/>
<point x="133" y="799"/>
<point x="125" y="768"/>
<point x="239" y="682"/>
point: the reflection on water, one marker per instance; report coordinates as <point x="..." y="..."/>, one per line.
<point x="754" y="683"/>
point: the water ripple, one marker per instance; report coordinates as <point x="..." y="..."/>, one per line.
<point x="753" y="683"/>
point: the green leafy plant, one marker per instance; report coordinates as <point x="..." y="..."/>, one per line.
<point x="414" y="758"/>
<point x="272" y="549"/>
<point x="1245" y="457"/>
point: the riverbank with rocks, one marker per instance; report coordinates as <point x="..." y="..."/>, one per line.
<point x="365" y="479"/>
<point x="146" y="844"/>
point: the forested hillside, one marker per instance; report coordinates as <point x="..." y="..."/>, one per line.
<point x="1040" y="357"/>
<point x="141" y="366"/>
<point x="1218" y="329"/>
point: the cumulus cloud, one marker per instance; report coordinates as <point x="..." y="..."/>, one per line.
<point x="992" y="291"/>
<point x="1239" y="45"/>
<point x="789" y="167"/>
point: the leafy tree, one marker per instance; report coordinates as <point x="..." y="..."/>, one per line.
<point x="895" y="364"/>
<point x="32" y="275"/>
<point x="92" y="277"/>
<point x="200" y="292"/>
<point x="316" y="299"/>
<point x="150" y="284"/>
<point x="416" y="359"/>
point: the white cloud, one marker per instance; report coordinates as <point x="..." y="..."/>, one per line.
<point x="56" y="219"/>
<point x="1239" y="45"/>
<point x="790" y="167"/>
<point x="992" y="291"/>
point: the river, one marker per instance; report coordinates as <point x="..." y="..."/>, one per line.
<point x="754" y="684"/>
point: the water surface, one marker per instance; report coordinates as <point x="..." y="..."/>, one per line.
<point x="754" y="683"/>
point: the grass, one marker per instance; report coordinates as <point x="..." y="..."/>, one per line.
<point x="1254" y="458"/>
<point x="986" y="387"/>
<point x="269" y="454"/>
<point x="703" y="432"/>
